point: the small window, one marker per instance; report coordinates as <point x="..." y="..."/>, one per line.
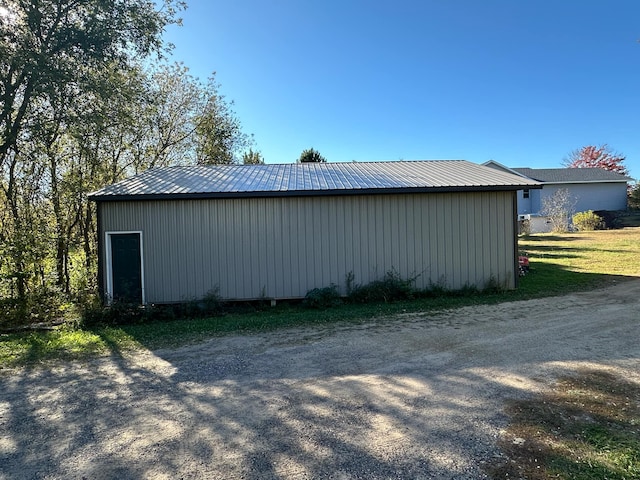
<point x="525" y="193"/>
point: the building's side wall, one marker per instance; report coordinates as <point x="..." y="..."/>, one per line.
<point x="588" y="196"/>
<point x="283" y="247"/>
<point x="524" y="203"/>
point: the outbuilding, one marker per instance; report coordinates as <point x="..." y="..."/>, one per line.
<point x="277" y="231"/>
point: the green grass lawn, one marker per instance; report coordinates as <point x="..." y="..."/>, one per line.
<point x="559" y="264"/>
<point x="575" y="261"/>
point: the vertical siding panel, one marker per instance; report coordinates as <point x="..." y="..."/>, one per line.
<point x="337" y="240"/>
<point x="262" y="237"/>
<point x="205" y="248"/>
<point x="180" y="255"/>
<point x="281" y="265"/>
<point x="498" y="230"/>
<point x="378" y="219"/>
<point x="328" y="241"/>
<point x="455" y="219"/>
<point x="493" y="235"/>
<point x="168" y="262"/>
<point x="362" y="270"/>
<point x="254" y="248"/>
<point x="283" y="272"/>
<point x="465" y="244"/>
<point x="432" y="223"/>
<point x="297" y="265"/>
<point x="389" y="252"/>
<point x="311" y="240"/>
<point x="272" y="223"/>
<point x="223" y="240"/>
<point x="412" y="261"/>
<point x="440" y="239"/>
<point x="348" y="240"/>
<point x="479" y="207"/>
<point x="484" y="244"/>
<point x="468" y="239"/>
<point x="196" y="285"/>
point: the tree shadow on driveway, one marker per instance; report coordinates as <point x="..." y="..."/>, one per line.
<point x="418" y="397"/>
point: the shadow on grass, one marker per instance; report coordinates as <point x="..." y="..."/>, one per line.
<point x="560" y="252"/>
<point x="586" y="428"/>
<point x="549" y="238"/>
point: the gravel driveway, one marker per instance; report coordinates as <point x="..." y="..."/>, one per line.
<point x="414" y="396"/>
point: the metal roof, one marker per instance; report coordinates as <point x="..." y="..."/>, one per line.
<point x="300" y="179"/>
<point x="571" y="175"/>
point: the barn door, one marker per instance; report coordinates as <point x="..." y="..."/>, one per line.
<point x="125" y="272"/>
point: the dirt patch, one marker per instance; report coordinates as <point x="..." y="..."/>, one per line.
<point x="413" y="396"/>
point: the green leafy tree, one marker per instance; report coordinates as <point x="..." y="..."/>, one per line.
<point x="218" y="132"/>
<point x="311" y="156"/>
<point x="78" y="110"/>
<point x="634" y="197"/>
<point x="252" y="158"/>
<point x="52" y="52"/>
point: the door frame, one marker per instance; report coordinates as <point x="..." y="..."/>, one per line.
<point x="109" y="266"/>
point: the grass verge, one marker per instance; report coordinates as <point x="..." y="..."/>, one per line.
<point x="559" y="264"/>
<point x="587" y="428"/>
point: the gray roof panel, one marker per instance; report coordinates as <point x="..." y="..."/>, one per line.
<point x="571" y="175"/>
<point x="311" y="179"/>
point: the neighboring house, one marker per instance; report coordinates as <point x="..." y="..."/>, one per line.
<point x="276" y="231"/>
<point x="591" y="188"/>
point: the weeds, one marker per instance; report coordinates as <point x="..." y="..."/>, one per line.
<point x="391" y="287"/>
<point x="95" y="314"/>
<point x="322" y="297"/>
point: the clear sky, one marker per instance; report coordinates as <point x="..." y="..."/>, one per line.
<point x="522" y="82"/>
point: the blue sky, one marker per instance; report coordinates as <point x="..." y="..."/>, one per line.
<point x="522" y="82"/>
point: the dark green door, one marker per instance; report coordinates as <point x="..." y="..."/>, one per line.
<point x="126" y="268"/>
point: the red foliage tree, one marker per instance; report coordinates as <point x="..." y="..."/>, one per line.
<point x="597" y="157"/>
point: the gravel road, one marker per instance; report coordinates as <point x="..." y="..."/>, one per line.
<point x="413" y="396"/>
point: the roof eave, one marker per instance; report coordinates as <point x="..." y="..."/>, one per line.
<point x="573" y="182"/>
<point x="308" y="193"/>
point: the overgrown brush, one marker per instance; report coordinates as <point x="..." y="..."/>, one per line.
<point x="95" y="313"/>
<point x="389" y="288"/>
<point x="322" y="297"/>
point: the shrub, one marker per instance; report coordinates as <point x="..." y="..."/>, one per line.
<point x="322" y="297"/>
<point x="587" y="221"/>
<point x="611" y="220"/>
<point x="42" y="306"/>
<point x="117" y="313"/>
<point x="391" y="287"/>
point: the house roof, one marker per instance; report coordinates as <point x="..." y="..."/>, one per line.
<point x="296" y="179"/>
<point x="571" y="175"/>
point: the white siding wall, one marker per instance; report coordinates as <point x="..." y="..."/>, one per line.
<point x="588" y="196"/>
<point x="283" y="247"/>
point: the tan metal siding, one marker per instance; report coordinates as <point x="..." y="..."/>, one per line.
<point x="283" y="247"/>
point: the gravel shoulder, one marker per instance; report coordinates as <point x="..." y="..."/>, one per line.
<point x="413" y="396"/>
